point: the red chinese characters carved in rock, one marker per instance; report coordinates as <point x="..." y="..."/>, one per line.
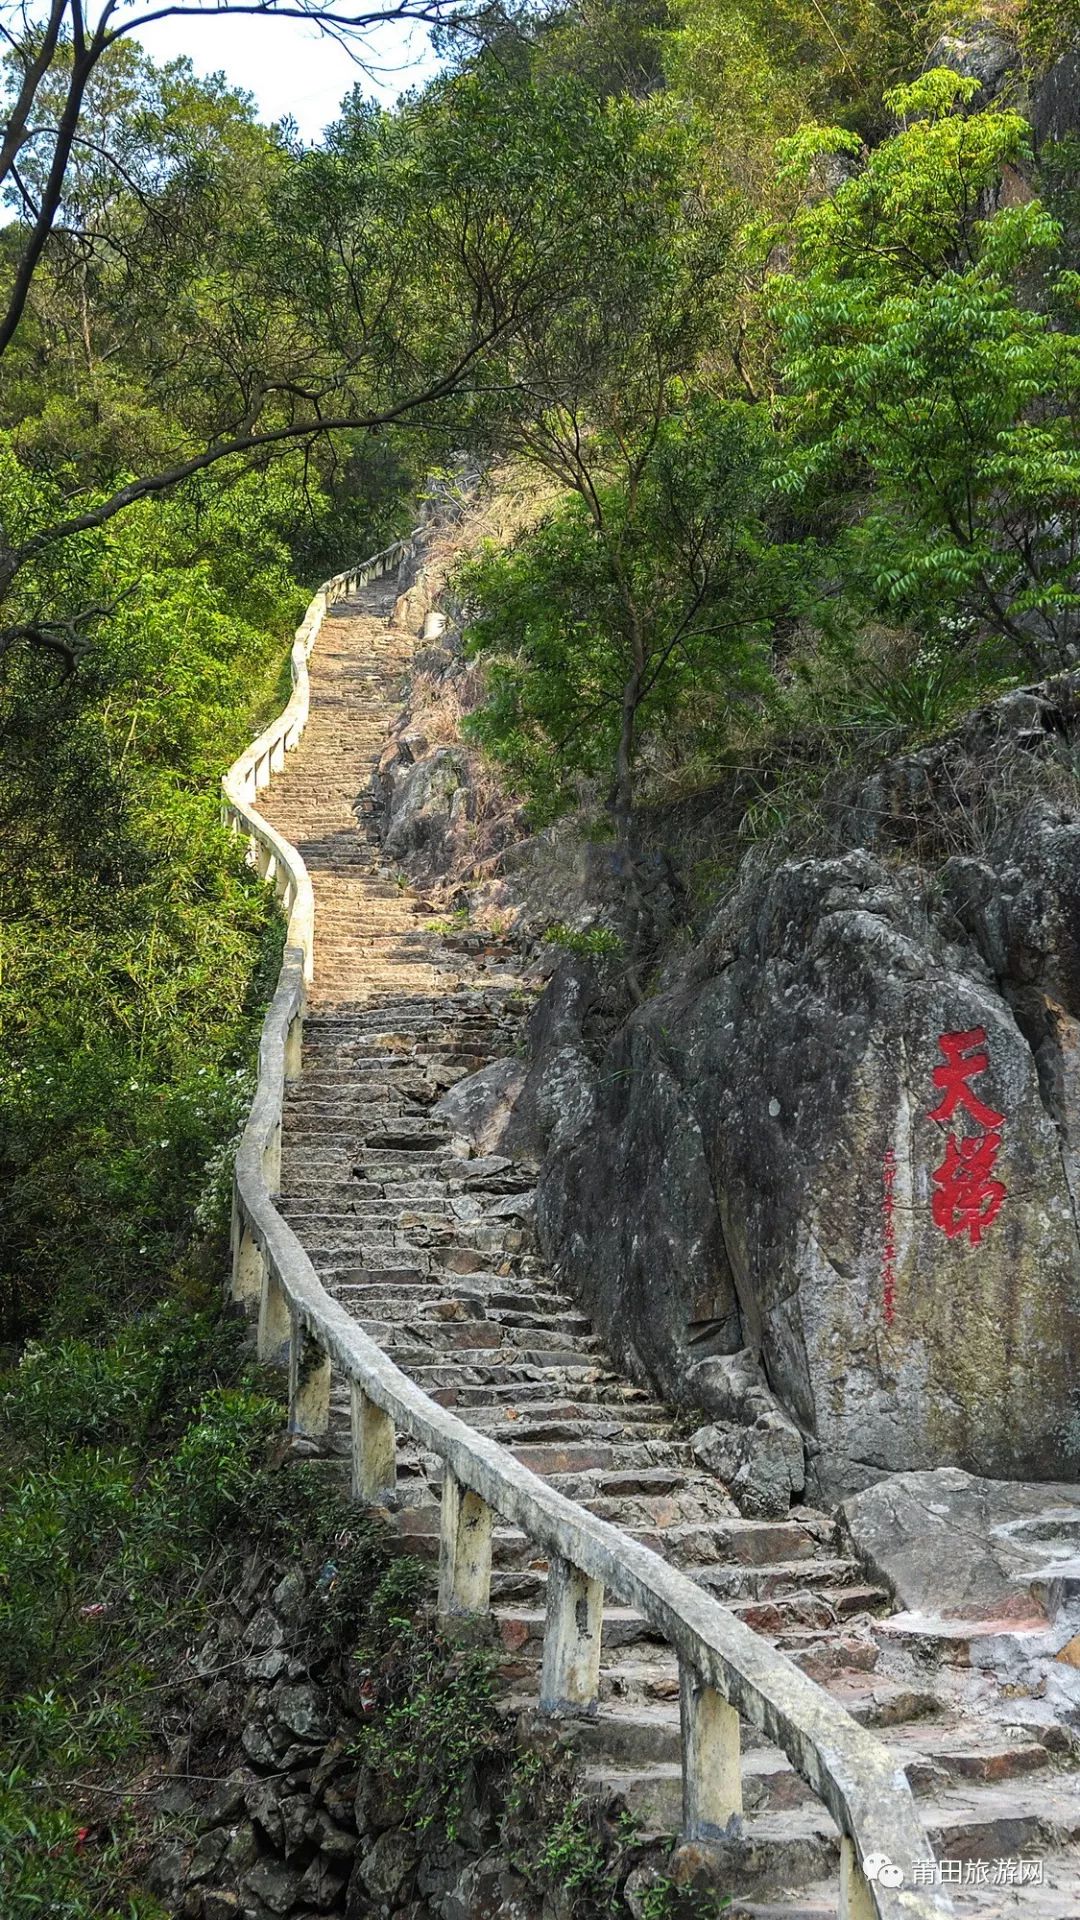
<point x="967" y="1197"/>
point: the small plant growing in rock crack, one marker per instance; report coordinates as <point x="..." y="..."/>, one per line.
<point x="560" y="1842"/>
<point x="664" y="1900"/>
<point x="591" y="942"/>
<point x="362" y="1584"/>
<point x="573" y="1858"/>
<point x="435" y="1740"/>
<point x="457" y="923"/>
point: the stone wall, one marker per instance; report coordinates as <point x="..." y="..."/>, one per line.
<point x="279" y="1817"/>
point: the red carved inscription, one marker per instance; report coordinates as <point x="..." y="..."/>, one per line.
<point x="967" y="1197"/>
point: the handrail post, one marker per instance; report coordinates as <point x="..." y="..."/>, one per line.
<point x="275" y="1320"/>
<point x="570" y="1668"/>
<point x="464" y="1550"/>
<point x="712" y="1766"/>
<point x="309" y="1381"/>
<point x="374" y="1449"/>
<point x="294" y="1043"/>
<point x="248" y="1262"/>
<point x="856" y="1900"/>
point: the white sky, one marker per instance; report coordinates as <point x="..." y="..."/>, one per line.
<point x="290" y="67"/>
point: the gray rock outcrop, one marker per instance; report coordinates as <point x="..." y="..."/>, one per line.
<point x="982" y="52"/>
<point x="846" y="1136"/>
<point x="428" y="800"/>
<point x="970" y="1548"/>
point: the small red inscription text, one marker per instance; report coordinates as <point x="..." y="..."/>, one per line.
<point x="888" y="1240"/>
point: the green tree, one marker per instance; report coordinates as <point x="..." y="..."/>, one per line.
<point x="375" y="282"/>
<point x="634" y="606"/>
<point x="931" y="363"/>
<point x="759" y="68"/>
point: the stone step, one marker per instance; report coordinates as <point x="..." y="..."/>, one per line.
<point x="434" y="1210"/>
<point x="557" y="1461"/>
<point x="494" y="1399"/>
<point x="666" y="1512"/>
<point x="787" y="1846"/>
<point x="427" y="1296"/>
<point x="756" y="1543"/>
<point x="521" y="1628"/>
<point x="632" y="1735"/>
<point x="1054" y="1896"/>
<point x="450" y="1334"/>
<point x="875" y="1701"/>
<point x="505" y="1363"/>
<point x="770" y="1580"/>
<point x="575" y="1432"/>
<point x="931" y="1641"/>
<point x="752" y="1539"/>
<point x="554" y="1379"/>
<point x="819" y="1607"/>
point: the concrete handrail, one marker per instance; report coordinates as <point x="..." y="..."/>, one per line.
<point x="727" y="1670"/>
<point x="270" y="851"/>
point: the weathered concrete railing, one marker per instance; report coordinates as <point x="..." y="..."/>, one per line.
<point x="274" y="857"/>
<point x="728" y="1672"/>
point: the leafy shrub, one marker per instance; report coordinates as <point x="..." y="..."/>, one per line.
<point x="108" y="1510"/>
<point x="43" y="1865"/>
<point x="132" y="1471"/>
<point x="148" y="1380"/>
<point x="589" y="941"/>
<point x="139" y="949"/>
<point x="440" y="1729"/>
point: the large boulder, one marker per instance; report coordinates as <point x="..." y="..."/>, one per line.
<point x="847" y="1136"/>
<point x="627" y="1208"/>
<point x="525" y="1110"/>
<point x="980" y="52"/>
<point x="968" y="1548"/>
<point x="478" y="1109"/>
<point x="429" y="799"/>
<point x="1054" y="107"/>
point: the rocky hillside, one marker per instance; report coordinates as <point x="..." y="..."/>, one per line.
<point x="838" y="1141"/>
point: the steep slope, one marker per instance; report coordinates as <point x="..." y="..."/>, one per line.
<point x="432" y="1252"/>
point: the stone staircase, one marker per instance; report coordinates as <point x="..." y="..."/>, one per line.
<point x="432" y="1253"/>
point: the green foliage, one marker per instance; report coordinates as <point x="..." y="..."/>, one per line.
<point x="137" y="949"/>
<point x="659" y="590"/>
<point x="134" y="1488"/>
<point x="591" y="941"/>
<point x="456" y="923"/>
<point x="107" y="1506"/>
<point x="573" y="1858"/>
<point x="920" y="372"/>
<point x="366" y="1590"/>
<point x="43" y="1865"/>
<point x="440" y="1731"/>
<point x="759" y="67"/>
<point x="127" y="1470"/>
<point x="1048" y="28"/>
<point x="147" y="1382"/>
<point x="665" y="1900"/>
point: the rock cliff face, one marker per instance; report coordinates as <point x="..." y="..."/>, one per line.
<point x="986" y="50"/>
<point x="845" y="1136"/>
<point x="838" y="1154"/>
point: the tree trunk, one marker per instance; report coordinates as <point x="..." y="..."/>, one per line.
<point x="622" y="809"/>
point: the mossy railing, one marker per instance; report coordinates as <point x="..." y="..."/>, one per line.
<point x="728" y="1672"/>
